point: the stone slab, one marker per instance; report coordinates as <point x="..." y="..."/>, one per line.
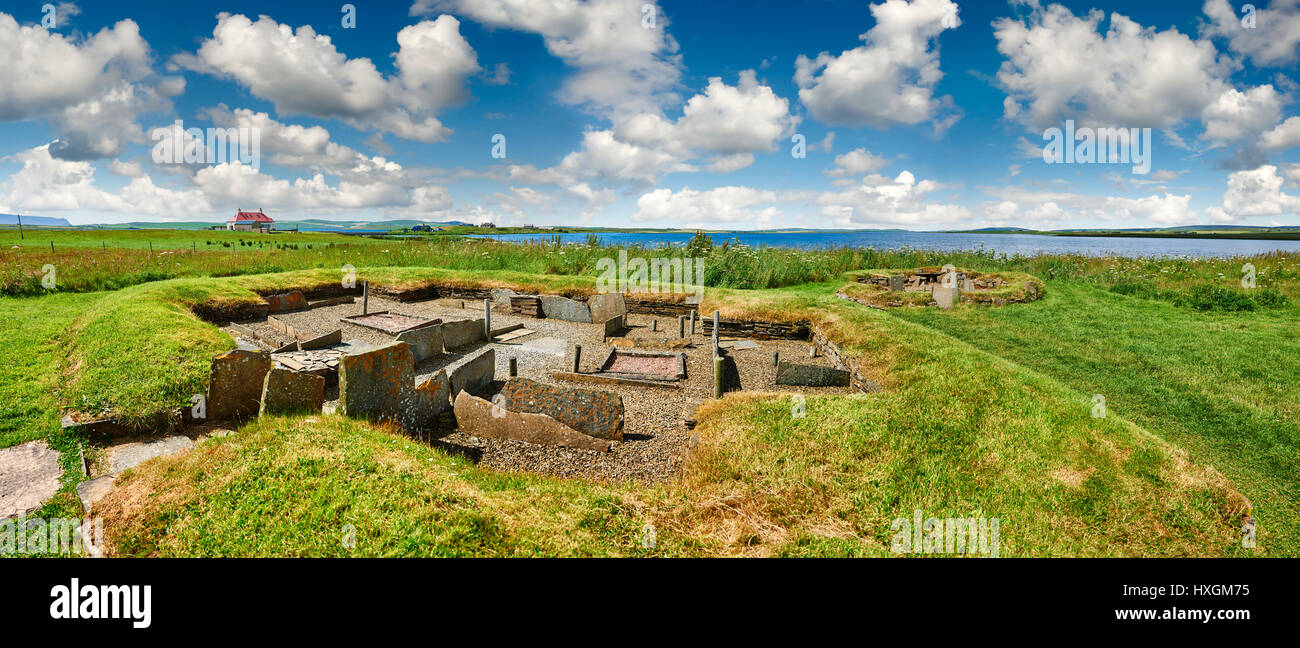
<point x="594" y="413"/>
<point x="607" y="306"/>
<point x="289" y="392"/>
<point x="93" y="490"/>
<point x="29" y="475"/>
<point x="946" y="296"/>
<point x="434" y="394"/>
<point x="478" y="417"/>
<point x="615" y="325"/>
<point x="130" y="455"/>
<point x="235" y="384"/>
<point x="598" y="379"/>
<point x="461" y="333"/>
<point x="563" y="308"/>
<point x="379" y="385"/>
<point x="475" y="373"/>
<point x="327" y="340"/>
<point x="553" y="346"/>
<point x="896" y="283"/>
<point x="425" y="342"/>
<point x="289" y="301"/>
<point x="512" y="335"/>
<point x="789" y="373"/>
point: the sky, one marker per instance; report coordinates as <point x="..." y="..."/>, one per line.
<point x="913" y="114"/>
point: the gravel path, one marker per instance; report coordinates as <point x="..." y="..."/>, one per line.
<point x="655" y="440"/>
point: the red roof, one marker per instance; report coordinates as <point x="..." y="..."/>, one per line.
<point x="257" y="217"/>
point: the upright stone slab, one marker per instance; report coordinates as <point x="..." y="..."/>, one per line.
<point x="286" y="302"/>
<point x="788" y="373"/>
<point x="946" y="296"/>
<point x="480" y="418"/>
<point x="460" y="333"/>
<point x="475" y="373"/>
<point x="426" y="342"/>
<point x="235" y="384"/>
<point x="434" y="395"/>
<point x="607" y="306"/>
<point x="563" y="308"/>
<point x="501" y="298"/>
<point x="896" y="283"/>
<point x="379" y="385"/>
<point x="594" y="413"/>
<point x="615" y="325"/>
<point x="290" y="392"/>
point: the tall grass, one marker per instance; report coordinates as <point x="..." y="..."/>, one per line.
<point x="727" y="264"/>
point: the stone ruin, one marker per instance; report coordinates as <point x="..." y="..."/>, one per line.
<point x="945" y="287"/>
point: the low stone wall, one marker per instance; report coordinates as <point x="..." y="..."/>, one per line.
<point x="760" y="330"/>
<point x="645" y="306"/>
<point x="857" y="378"/>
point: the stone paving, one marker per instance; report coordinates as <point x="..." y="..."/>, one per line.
<point x="29" y="475"/>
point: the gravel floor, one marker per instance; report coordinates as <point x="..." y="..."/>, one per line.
<point x="655" y="440"/>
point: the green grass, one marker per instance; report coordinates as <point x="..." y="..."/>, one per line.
<point x="1226" y="387"/>
<point x="30" y="385"/>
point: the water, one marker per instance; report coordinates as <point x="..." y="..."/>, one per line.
<point x="1010" y="244"/>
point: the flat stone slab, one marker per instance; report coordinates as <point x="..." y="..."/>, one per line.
<point x="594" y="413"/>
<point x="788" y="373"/>
<point x="130" y="455"/>
<point x="480" y="418"/>
<point x="513" y="334"/>
<point x="563" y="308"/>
<point x="738" y="345"/>
<point x="290" y="392"/>
<point x="235" y="384"/>
<point x="29" y="475"/>
<point x="93" y="490"/>
<point x="558" y="347"/>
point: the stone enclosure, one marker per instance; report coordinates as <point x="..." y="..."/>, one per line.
<point x="601" y="387"/>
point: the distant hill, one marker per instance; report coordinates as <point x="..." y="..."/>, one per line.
<point x="12" y="219"/>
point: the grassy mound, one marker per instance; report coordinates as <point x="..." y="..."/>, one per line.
<point x="1019" y="287"/>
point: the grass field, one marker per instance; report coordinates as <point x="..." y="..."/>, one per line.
<point x="986" y="412"/>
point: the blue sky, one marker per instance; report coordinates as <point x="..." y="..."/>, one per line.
<point x="920" y="114"/>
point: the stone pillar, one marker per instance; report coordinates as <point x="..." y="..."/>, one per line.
<point x="577" y="358"/>
<point x="487" y="319"/>
<point x="681" y="326"/>
<point x="514" y="367"/>
<point x="715" y="333"/>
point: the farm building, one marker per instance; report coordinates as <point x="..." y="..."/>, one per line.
<point x="247" y="221"/>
